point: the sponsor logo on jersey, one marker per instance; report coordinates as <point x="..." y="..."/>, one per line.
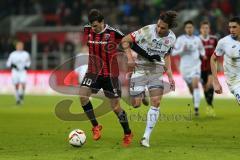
<point x="97" y="42"/>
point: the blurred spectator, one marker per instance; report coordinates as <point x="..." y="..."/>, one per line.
<point x="6" y="45"/>
<point x="69" y="48"/>
<point x="127" y="14"/>
<point x="135" y="12"/>
<point x="51" y="46"/>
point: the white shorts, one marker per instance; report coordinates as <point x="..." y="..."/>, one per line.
<point x="19" y="77"/>
<point x="189" y="75"/>
<point x="144" y="79"/>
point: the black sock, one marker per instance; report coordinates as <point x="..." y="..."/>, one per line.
<point x="196" y="109"/>
<point x="88" y="109"/>
<point x="209" y="96"/>
<point x="122" y="116"/>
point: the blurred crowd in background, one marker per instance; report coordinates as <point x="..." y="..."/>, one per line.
<point x="134" y="13"/>
<point x="139" y="12"/>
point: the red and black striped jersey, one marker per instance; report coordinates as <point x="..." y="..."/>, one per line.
<point x="103" y="50"/>
<point x="209" y="44"/>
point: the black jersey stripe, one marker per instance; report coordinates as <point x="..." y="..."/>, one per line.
<point x="144" y="53"/>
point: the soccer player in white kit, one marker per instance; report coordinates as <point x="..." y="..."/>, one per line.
<point x="153" y="44"/>
<point x="19" y="61"/>
<point x="229" y="48"/>
<point x="189" y="47"/>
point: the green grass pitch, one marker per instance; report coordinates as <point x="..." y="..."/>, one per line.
<point x="33" y="132"/>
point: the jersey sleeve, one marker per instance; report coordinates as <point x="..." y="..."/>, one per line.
<point x="9" y="61"/>
<point x="28" y="60"/>
<point x="201" y="48"/>
<point x="216" y="41"/>
<point x="170" y="50"/>
<point x="136" y="35"/>
<point x="219" y="51"/>
<point x="118" y="36"/>
<point x="178" y="47"/>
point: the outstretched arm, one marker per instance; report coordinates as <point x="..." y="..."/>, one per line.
<point x="126" y="43"/>
<point x="168" y="71"/>
<point x="216" y="85"/>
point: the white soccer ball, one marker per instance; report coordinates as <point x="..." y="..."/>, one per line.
<point x="77" y="138"/>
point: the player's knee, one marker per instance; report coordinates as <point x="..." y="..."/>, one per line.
<point x="136" y="103"/>
<point x="155" y="101"/>
<point x="195" y="85"/>
<point x="116" y="108"/>
<point x="84" y="100"/>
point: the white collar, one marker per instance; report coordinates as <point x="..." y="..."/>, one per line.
<point x="205" y="39"/>
<point x="103" y="29"/>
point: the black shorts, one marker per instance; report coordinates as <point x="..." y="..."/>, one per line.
<point x="204" y="76"/>
<point x="110" y="85"/>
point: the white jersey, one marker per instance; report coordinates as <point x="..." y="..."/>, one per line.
<point x="230" y="49"/>
<point x="150" y="47"/>
<point x="20" y="59"/>
<point x="150" y="50"/>
<point x="189" y="48"/>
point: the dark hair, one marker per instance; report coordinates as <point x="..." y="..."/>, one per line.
<point x="188" y="22"/>
<point x="235" y="19"/>
<point x="205" y="22"/>
<point x="95" y="15"/>
<point x="169" y="17"/>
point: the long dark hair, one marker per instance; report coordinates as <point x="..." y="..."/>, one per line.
<point x="169" y="17"/>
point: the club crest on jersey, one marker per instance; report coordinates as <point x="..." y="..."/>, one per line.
<point x="106" y="36"/>
<point x="166" y="41"/>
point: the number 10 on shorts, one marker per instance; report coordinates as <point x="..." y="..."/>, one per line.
<point x="87" y="81"/>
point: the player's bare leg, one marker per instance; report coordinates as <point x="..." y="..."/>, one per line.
<point x="136" y="101"/>
<point x="145" y="100"/>
<point x="190" y="88"/>
<point x="122" y="116"/>
<point x="17" y="94"/>
<point x="152" y="115"/>
<point x="196" y="95"/>
<point x="85" y="93"/>
<point x="22" y="91"/>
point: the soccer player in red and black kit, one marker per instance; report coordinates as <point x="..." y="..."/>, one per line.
<point x="209" y="42"/>
<point x="103" y="72"/>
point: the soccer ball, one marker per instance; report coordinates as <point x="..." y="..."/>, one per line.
<point x="77" y="138"/>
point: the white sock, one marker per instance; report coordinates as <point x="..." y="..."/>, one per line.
<point x="21" y="92"/>
<point x="152" y="118"/>
<point x="196" y="97"/>
<point x="17" y="95"/>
